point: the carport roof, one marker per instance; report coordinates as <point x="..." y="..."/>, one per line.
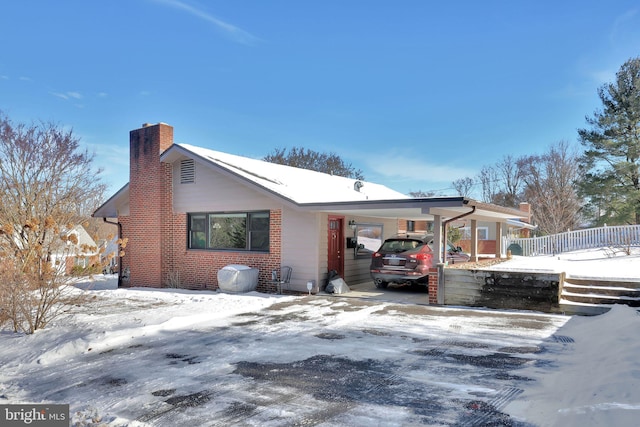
<point x="421" y="209"/>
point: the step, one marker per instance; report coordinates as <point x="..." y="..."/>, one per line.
<point x="599" y="282"/>
<point x="601" y="290"/>
<point x="594" y="298"/>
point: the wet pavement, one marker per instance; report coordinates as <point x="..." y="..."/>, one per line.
<point x="321" y="360"/>
<point x="371" y="363"/>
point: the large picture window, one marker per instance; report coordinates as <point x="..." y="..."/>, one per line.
<point x="240" y="231"/>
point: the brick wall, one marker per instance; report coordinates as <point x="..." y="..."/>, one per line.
<point x="146" y="199"/>
<point x="198" y="269"/>
<point x="156" y="252"/>
<point x="486" y="247"/>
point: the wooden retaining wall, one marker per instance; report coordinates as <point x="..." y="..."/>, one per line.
<point x="503" y="289"/>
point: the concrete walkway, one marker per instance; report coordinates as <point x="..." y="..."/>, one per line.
<point x="395" y="293"/>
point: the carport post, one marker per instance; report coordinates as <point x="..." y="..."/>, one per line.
<point x="474" y="240"/>
<point x="437" y="240"/>
<point x="498" y="240"/>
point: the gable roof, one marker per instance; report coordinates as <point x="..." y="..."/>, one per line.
<point x="296" y="185"/>
<point x="85" y="241"/>
<point x="316" y="191"/>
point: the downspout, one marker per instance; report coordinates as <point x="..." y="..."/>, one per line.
<point x="441" y="284"/>
<point x="444" y="230"/>
<point x="119" y="251"/>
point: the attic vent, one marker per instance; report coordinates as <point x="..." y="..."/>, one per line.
<point x="187" y="171"/>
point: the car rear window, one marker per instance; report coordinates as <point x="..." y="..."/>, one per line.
<point x="400" y="245"/>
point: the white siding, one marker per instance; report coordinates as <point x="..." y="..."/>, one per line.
<point x="304" y="234"/>
<point x="301" y="247"/>
<point x="356" y="270"/>
<point x="213" y="191"/>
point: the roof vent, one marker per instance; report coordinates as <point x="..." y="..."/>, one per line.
<point x="146" y="125"/>
<point x="358" y="185"/>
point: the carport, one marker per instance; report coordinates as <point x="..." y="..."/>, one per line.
<point x="440" y="210"/>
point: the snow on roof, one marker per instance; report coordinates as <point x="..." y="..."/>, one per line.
<point x="521" y="224"/>
<point x="296" y="184"/>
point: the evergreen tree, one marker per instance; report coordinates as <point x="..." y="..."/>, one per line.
<point x="611" y="160"/>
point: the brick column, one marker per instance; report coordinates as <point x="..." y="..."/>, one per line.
<point x="433" y="286"/>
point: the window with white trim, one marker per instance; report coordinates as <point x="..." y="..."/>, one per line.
<point x="483" y="233"/>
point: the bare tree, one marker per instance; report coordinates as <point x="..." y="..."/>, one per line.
<point x="511" y="184"/>
<point x="488" y="178"/>
<point x="45" y="183"/>
<point x="551" y="188"/>
<point x="422" y="194"/>
<point x="463" y="186"/>
<point x="305" y="158"/>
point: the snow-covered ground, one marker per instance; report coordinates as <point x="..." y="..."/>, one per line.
<point x="596" y="382"/>
<point x="606" y="263"/>
<point x="147" y="357"/>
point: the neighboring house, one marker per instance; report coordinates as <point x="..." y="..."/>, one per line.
<point x="486" y="230"/>
<point x="109" y="251"/>
<point x="188" y="211"/>
<point x="80" y="251"/>
<point x="488" y="235"/>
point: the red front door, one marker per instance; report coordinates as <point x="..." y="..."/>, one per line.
<point x="336" y="245"/>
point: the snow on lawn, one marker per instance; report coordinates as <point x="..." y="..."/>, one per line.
<point x="596" y="382"/>
<point x="166" y="357"/>
<point x="609" y="263"/>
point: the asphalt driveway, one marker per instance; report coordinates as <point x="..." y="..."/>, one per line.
<point x="315" y="360"/>
<point x="363" y="363"/>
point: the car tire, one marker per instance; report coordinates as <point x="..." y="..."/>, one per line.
<point x="381" y="284"/>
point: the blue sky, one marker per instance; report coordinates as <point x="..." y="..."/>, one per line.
<point x="415" y="93"/>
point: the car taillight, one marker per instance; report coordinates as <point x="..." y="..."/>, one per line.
<point x="421" y="256"/>
<point x="376" y="255"/>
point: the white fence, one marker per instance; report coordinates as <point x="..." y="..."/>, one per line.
<point x="615" y="236"/>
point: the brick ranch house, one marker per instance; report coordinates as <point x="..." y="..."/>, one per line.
<point x="189" y="211"/>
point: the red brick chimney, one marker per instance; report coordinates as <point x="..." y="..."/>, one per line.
<point x="146" y="196"/>
<point x="526" y="207"/>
